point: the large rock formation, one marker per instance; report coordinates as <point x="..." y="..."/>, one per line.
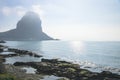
<point x="28" y="28"/>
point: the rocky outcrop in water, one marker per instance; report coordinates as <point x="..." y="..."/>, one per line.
<point x="15" y="52"/>
<point x="28" y="28"/>
<point x="67" y="69"/>
<point x="2" y="41"/>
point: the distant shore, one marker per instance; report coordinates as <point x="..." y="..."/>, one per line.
<point x="68" y="70"/>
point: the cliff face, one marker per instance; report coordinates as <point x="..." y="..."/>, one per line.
<point x="28" y="28"/>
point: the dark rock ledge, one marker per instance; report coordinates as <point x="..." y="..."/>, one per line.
<point x="68" y="70"/>
<point x="2" y="41"/>
<point x="23" y="52"/>
<point x="16" y="52"/>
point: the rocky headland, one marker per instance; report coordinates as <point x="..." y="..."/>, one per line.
<point x="28" y="29"/>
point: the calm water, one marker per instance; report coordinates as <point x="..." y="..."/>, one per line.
<point x="95" y="56"/>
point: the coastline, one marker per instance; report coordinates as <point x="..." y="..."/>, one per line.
<point x="52" y="67"/>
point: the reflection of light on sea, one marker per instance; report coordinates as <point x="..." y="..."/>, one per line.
<point x="77" y="46"/>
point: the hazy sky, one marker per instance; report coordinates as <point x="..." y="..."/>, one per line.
<point x="67" y="19"/>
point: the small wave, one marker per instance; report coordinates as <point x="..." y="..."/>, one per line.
<point x="94" y="67"/>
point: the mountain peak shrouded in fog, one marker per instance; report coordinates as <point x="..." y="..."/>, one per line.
<point x="28" y="28"/>
<point x="30" y="22"/>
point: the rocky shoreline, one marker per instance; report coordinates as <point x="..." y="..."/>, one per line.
<point x="68" y="70"/>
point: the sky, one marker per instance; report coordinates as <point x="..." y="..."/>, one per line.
<point x="87" y="20"/>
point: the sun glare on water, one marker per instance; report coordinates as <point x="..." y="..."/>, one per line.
<point x="77" y="46"/>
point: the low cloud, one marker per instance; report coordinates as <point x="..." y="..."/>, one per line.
<point x="6" y="11"/>
<point x="37" y="9"/>
<point x="18" y="10"/>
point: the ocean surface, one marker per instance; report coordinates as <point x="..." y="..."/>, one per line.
<point x="95" y="56"/>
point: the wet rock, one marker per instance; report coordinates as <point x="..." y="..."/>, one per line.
<point x="9" y="55"/>
<point x="23" y="52"/>
<point x="1" y="45"/>
<point x="106" y="73"/>
<point x="1" y="50"/>
<point x="67" y="65"/>
<point x="35" y="55"/>
<point x="109" y="74"/>
<point x="84" y="72"/>
<point x="2" y="59"/>
<point x="67" y="69"/>
<point x="87" y="67"/>
<point x="21" y="63"/>
<point x="12" y="49"/>
<point x="48" y="60"/>
<point x="2" y="41"/>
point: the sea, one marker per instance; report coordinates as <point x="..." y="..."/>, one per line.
<point x="95" y="56"/>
